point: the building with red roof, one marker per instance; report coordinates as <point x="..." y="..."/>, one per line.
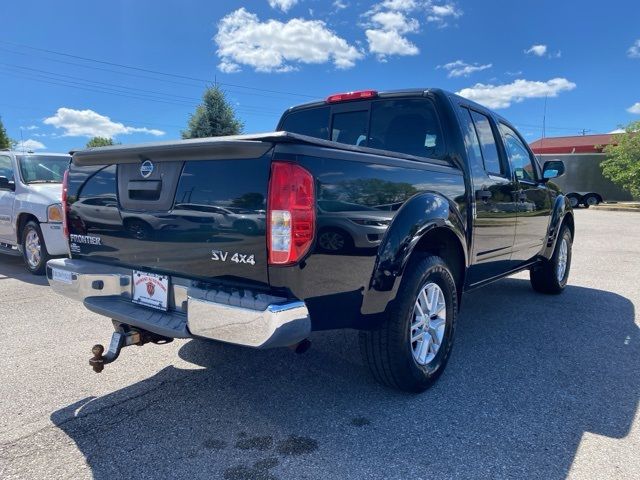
<point x="573" y="144"/>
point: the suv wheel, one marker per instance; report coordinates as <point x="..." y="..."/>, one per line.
<point x="334" y="241"/>
<point x="410" y="349"/>
<point x="34" y="251"/>
<point x="550" y="276"/>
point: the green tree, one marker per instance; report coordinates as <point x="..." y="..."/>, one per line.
<point x="5" y="141"/>
<point x="213" y="118"/>
<point x="622" y="165"/>
<point x="100" y="142"/>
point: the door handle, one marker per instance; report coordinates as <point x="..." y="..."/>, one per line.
<point x="483" y="194"/>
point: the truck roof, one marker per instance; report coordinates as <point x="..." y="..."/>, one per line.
<point x="417" y="92"/>
<point x="409" y="92"/>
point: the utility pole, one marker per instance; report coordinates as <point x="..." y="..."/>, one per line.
<point x="544" y="117"/>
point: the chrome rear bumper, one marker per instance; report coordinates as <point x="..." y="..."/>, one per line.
<point x="241" y="317"/>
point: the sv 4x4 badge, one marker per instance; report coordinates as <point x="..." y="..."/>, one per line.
<point x="220" y="256"/>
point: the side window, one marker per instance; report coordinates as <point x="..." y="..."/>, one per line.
<point x="313" y="122"/>
<point x="6" y="169"/>
<point x="406" y="126"/>
<point x="518" y="154"/>
<point x="488" y="144"/>
<point x="350" y="127"/>
<point x="471" y="139"/>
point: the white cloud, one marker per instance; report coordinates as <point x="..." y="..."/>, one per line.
<point x="439" y="14"/>
<point x="634" y="50"/>
<point x="405" y="5"/>
<point x="31" y="127"/>
<point x="283" y="5"/>
<point x="395" y="21"/>
<point x="274" y="46"/>
<point x="384" y="43"/>
<point x="635" y="108"/>
<point x="618" y="130"/>
<point x="502" y="96"/>
<point x="87" y="123"/>
<point x="30" y="145"/>
<point x="463" y="69"/>
<point x="537" y="50"/>
<point x="340" y="5"/>
<point x="389" y="21"/>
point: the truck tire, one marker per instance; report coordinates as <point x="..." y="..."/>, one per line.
<point x="408" y="351"/>
<point x="574" y="200"/>
<point x="591" y="200"/>
<point x="34" y="250"/>
<point x="550" y="276"/>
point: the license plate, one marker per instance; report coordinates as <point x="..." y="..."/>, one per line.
<point x="62" y="276"/>
<point x="150" y="289"/>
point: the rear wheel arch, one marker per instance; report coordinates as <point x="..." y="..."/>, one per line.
<point x="444" y="243"/>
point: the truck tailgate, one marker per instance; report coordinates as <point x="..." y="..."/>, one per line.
<point x="197" y="209"/>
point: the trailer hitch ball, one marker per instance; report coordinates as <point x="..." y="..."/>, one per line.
<point x="97" y="361"/>
<point x="124" y="336"/>
<point x="119" y="339"/>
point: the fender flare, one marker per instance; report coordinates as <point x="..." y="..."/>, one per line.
<point x="416" y="218"/>
<point x="561" y="208"/>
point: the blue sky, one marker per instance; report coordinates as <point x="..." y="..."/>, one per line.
<point x="271" y="54"/>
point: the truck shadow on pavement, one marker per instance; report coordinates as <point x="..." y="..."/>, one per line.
<point x="13" y="267"/>
<point x="529" y="375"/>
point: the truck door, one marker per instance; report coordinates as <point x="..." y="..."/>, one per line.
<point x="494" y="214"/>
<point x="6" y="200"/>
<point x="533" y="199"/>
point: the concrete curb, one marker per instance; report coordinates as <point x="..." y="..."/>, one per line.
<point x="618" y="208"/>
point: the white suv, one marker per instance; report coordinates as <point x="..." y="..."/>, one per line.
<point x="30" y="208"/>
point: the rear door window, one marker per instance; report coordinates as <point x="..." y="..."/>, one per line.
<point x="408" y="126"/>
<point x="488" y="144"/>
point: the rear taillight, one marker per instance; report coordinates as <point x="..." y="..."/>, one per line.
<point x="65" y="183"/>
<point x="290" y="213"/>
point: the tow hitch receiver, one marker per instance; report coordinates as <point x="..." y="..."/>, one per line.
<point x="122" y="337"/>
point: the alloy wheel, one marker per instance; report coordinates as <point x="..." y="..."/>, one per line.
<point x="428" y="323"/>
<point x="33" y="249"/>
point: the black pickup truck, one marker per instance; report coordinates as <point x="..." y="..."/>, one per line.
<point x="373" y="211"/>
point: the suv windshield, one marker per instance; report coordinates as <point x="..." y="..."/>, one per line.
<point x="42" y="168"/>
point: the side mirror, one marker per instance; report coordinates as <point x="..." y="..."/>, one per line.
<point x="552" y="169"/>
<point x="6" y="184"/>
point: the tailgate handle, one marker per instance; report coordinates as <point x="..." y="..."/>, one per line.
<point x="144" y="189"/>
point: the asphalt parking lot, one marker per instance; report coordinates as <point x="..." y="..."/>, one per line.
<point x="538" y="386"/>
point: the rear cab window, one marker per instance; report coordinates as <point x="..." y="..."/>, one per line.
<point x="313" y="122"/>
<point x="408" y="126"/>
<point x="404" y="125"/>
